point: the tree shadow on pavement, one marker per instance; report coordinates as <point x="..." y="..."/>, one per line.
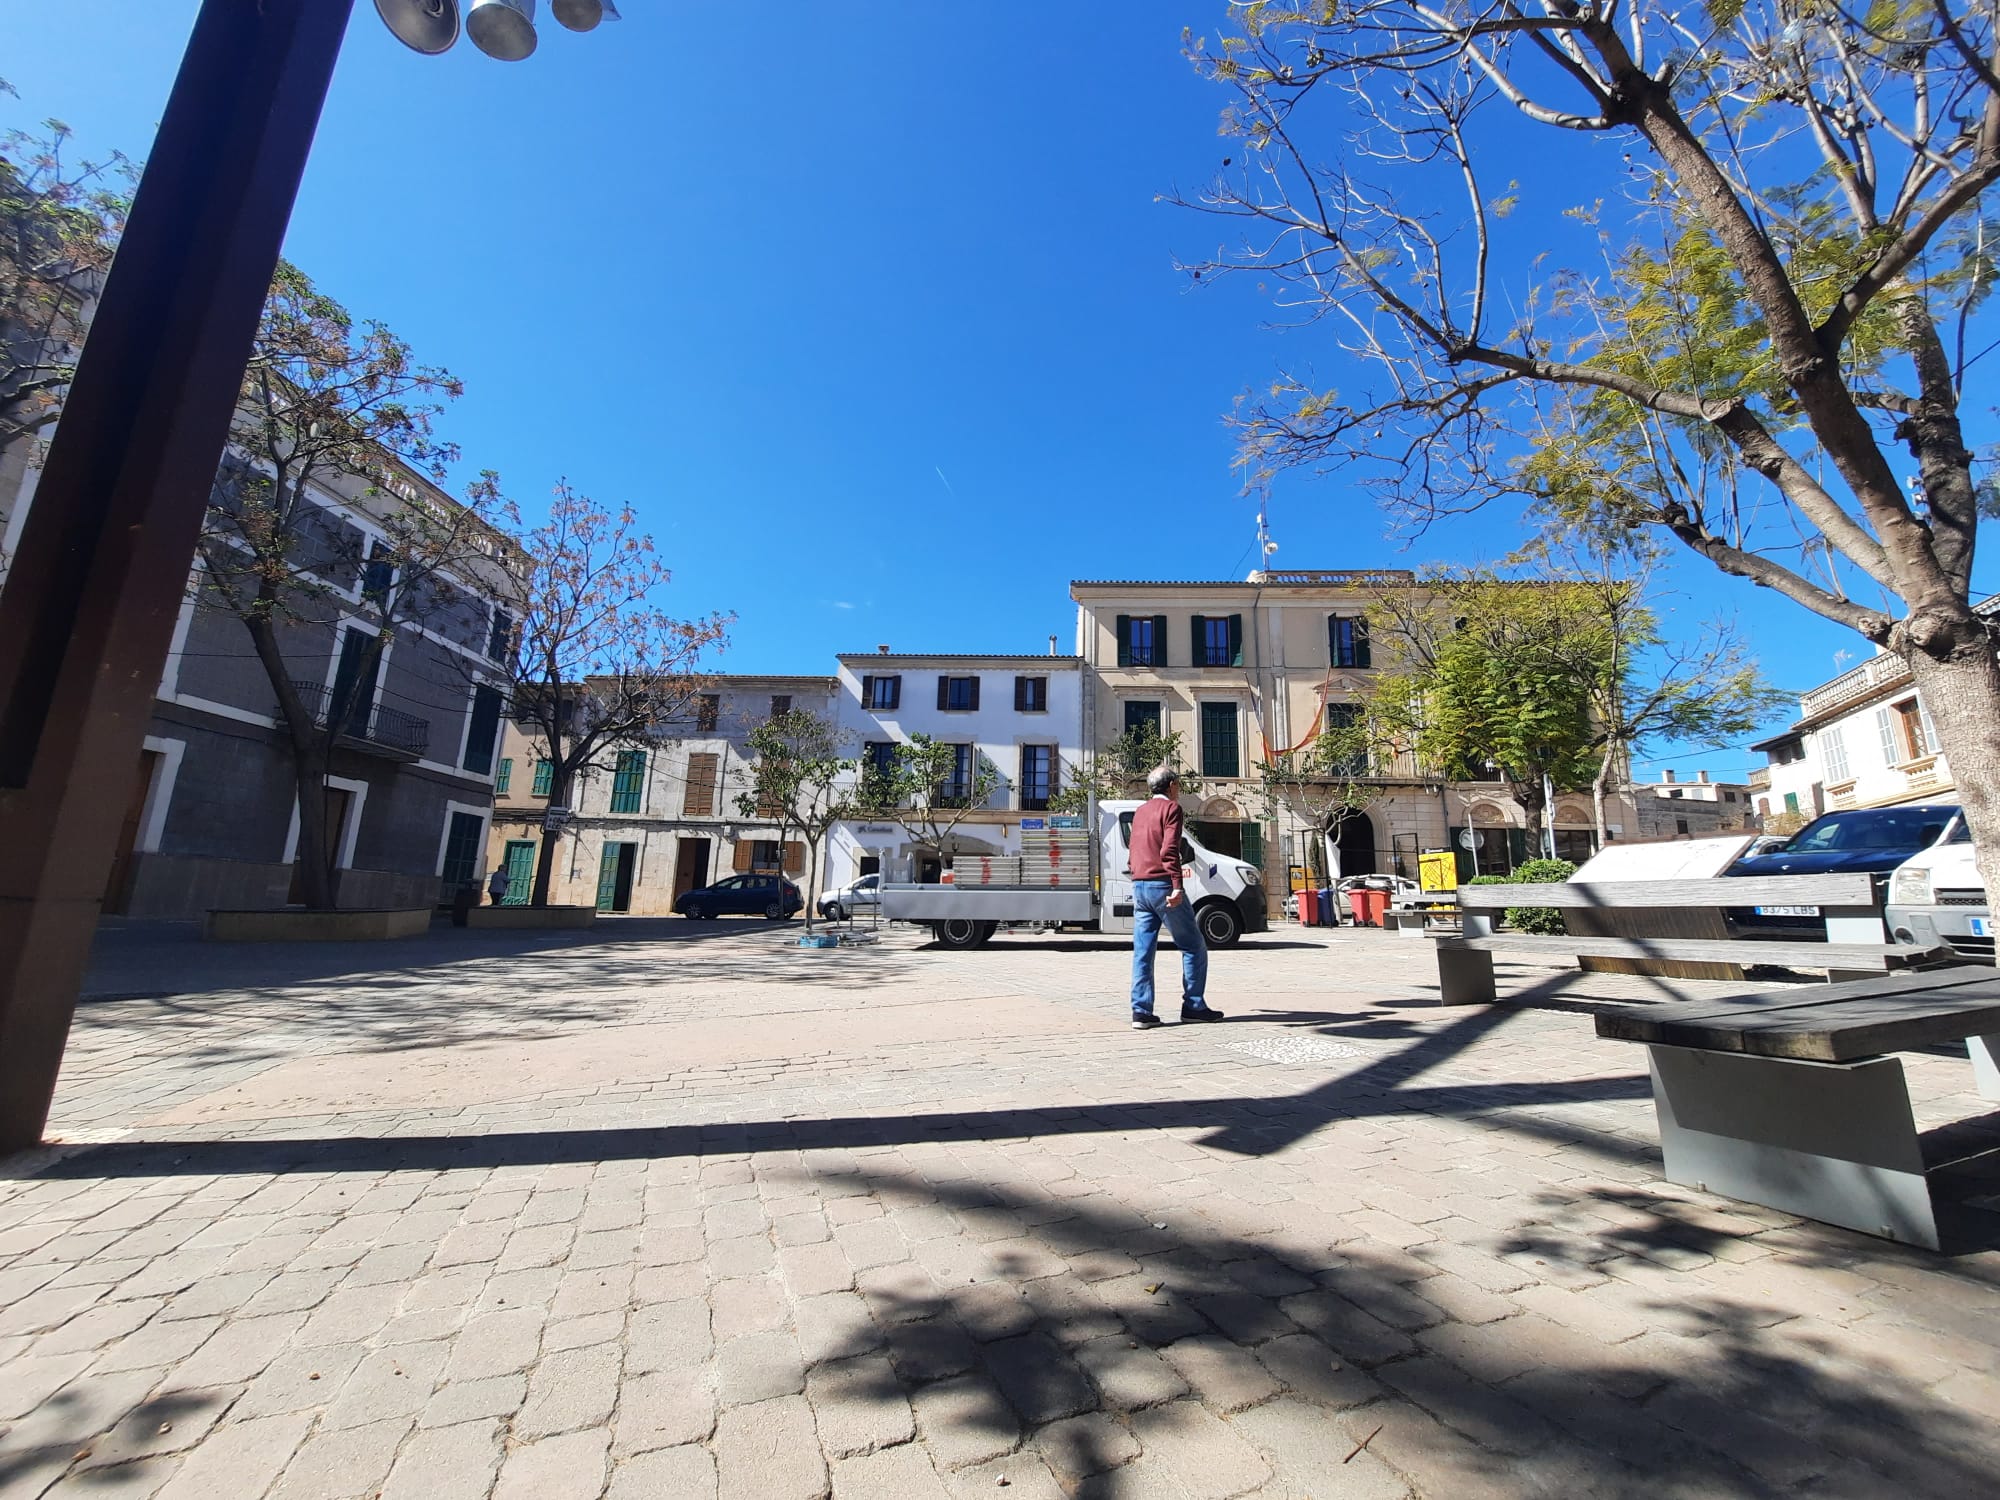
<point x="1140" y="1355"/>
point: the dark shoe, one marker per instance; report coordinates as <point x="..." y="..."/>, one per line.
<point x="1204" y="1014"/>
<point x="1145" y="1021"/>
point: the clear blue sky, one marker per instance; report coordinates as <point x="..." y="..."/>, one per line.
<point x="869" y="309"/>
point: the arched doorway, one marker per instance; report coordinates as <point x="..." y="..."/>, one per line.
<point x="1491" y="841"/>
<point x="1354" y="839"/>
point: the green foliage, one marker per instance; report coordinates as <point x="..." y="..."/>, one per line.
<point x="922" y="792"/>
<point x="1545" y="921"/>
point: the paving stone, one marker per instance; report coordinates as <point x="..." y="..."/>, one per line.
<point x="341" y="1462"/>
<point x="1310" y="1370"/>
<point x="835" y="1326"/>
<point x="903" y="1473"/>
<point x="168" y="1421"/>
<point x="1491" y="1419"/>
<point x="469" y="1400"/>
<point x="1039" y="1378"/>
<point x="447" y="1463"/>
<point x="758" y="1367"/>
<point x="1224" y="1376"/>
<point x="769" y="1449"/>
<point x="496" y="1343"/>
<point x="858" y="1406"/>
<point x="683" y="1473"/>
<point x="1198" y="1451"/>
<point x="665" y="1408"/>
<point x="931" y="1349"/>
<point x="386" y="1383"/>
<point x="1078" y="1447"/>
<point x="572" y="1466"/>
<point x="569" y="1390"/>
<point x="965" y="1420"/>
<point x="668" y="1335"/>
<point x="1026" y="1476"/>
<point x="1313" y="1456"/>
<point x="238" y="1458"/>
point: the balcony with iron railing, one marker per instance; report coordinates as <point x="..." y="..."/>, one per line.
<point x="374" y="729"/>
<point x="1871" y="676"/>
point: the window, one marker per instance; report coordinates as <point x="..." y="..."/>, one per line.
<point x="466" y="835"/>
<point x="483" y="731"/>
<point x="1218" y="739"/>
<point x="500" y="642"/>
<point x="1031" y="695"/>
<point x="1038" y="779"/>
<point x="1217" y="640"/>
<point x="1913" y="723"/>
<point x="958" y="694"/>
<point x="1791" y="802"/>
<point x="1142" y="714"/>
<point x="698" y="800"/>
<point x="1347" y="641"/>
<point x="1575" y="844"/>
<point x="1680" y="825"/>
<point x="503" y="778"/>
<point x="879" y="756"/>
<point x="1142" y="640"/>
<point x="628" y="782"/>
<point x="781" y="704"/>
<point x="1675" y="792"/>
<point x="545" y="777"/>
<point x="767" y="856"/>
<point x="1347" y="755"/>
<point x="1729" y="796"/>
<point x="1833" y="750"/>
<point x="707" y="712"/>
<point x="377" y="575"/>
<point x="881" y="693"/>
<point x="956" y="788"/>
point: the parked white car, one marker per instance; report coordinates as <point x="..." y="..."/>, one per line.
<point x="1936" y="896"/>
<point x="837" y="905"/>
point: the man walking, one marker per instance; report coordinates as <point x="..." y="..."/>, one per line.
<point x="496" y="885"/>
<point x="1157" y="899"/>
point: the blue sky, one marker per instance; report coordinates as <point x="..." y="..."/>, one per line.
<point x="870" y="310"/>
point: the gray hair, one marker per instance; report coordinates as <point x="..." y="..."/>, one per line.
<point x="1161" y="777"/>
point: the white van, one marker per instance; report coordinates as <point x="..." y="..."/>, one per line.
<point x="1937" y="896"/>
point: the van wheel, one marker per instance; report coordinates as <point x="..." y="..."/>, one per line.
<point x="1220" y="926"/>
<point x="961" y="932"/>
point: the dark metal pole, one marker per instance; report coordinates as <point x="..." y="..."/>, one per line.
<point x="92" y="593"/>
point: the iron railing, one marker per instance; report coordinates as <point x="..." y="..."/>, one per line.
<point x="373" y="725"/>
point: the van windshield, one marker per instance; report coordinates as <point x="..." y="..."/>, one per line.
<point x="1872" y="828"/>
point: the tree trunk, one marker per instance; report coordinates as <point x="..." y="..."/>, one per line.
<point x="1597" y="792"/>
<point x="1963" y="697"/>
<point x="314" y="854"/>
<point x="545" y="859"/>
<point x="1529" y="794"/>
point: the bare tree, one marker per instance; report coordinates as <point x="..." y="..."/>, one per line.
<point x="596" y="662"/>
<point x="1792" y="270"/>
<point x="799" y="780"/>
<point x="930" y="790"/>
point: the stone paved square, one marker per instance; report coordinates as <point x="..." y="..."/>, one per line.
<point x="667" y="1210"/>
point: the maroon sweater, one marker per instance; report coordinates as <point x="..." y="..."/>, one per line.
<point x="1156" y="841"/>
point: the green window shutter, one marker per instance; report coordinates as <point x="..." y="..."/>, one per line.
<point x="545" y="777"/>
<point x="1467" y="866"/>
<point x="1218" y="740"/>
<point x="628" y="786"/>
<point x="1124" y="640"/>
<point x="1517" y="847"/>
<point x="505" y="778"/>
<point x="1160" y="640"/>
<point x="520" y="872"/>
<point x="1253" y="844"/>
<point x="1199" y="636"/>
<point x="1236" y="640"/>
<point x="607" y="877"/>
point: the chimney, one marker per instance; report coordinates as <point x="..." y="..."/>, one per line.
<point x="1668" y="776"/>
<point x="883" y="649"/>
<point x="1703" y="775"/>
<point x="1052" y="645"/>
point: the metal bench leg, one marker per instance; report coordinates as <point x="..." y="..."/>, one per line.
<point x="1465" y="977"/>
<point x="1985" y="1052"/>
<point x="1832" y="1141"/>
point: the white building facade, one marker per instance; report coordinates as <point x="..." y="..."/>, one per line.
<point x="1022" y="715"/>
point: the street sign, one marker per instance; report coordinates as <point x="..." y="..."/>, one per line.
<point x="1062" y="820"/>
<point x="1028" y="824"/>
<point x="554" y="819"/>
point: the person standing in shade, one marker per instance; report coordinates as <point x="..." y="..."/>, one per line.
<point x="496" y="886"/>
<point x="1158" y="901"/>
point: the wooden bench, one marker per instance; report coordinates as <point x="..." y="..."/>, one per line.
<point x="1787" y="1101"/>
<point x="1854" y="946"/>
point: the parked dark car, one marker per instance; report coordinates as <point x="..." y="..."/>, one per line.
<point x="768" y="896"/>
<point x="1862" y="840"/>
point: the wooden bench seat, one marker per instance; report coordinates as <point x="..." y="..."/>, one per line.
<point x="1847" y="902"/>
<point x="1789" y="1101"/>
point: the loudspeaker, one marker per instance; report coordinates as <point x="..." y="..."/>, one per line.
<point x="582" y="15"/>
<point x="428" y="26"/>
<point x="502" y="29"/>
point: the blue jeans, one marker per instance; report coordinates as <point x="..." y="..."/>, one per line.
<point x="1149" y="912"/>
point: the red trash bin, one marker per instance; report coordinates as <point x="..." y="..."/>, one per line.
<point x="1357" y="902"/>
<point x="1309" y="908"/>
<point x="1375" y="903"/>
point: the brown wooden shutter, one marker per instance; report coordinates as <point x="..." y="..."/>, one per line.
<point x="699" y="802"/>
<point x="745" y="852"/>
<point x="795" y="857"/>
<point x="944" y="692"/>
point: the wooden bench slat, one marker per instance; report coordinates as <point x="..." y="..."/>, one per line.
<point x="1896" y="1015"/>
<point x="1743" y="890"/>
<point x="1776" y="1002"/>
<point x="1706" y="950"/>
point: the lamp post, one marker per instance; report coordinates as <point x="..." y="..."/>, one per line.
<point x="98" y="578"/>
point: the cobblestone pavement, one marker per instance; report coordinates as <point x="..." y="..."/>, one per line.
<point x="673" y="1211"/>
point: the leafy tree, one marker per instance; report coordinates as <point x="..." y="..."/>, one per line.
<point x="1327" y="778"/>
<point x="596" y="661"/>
<point x="1776" y="279"/>
<point x="59" y="226"/>
<point x="332" y="407"/>
<point x="923" y="792"/>
<point x="1481" y="676"/>
<point x="799" y="781"/>
<point x="1120" y="770"/>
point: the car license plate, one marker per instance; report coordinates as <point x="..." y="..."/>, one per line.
<point x="1787" y="911"/>
<point x="1981" y="926"/>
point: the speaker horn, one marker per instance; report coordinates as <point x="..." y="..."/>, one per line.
<point x="502" y="29"/>
<point x="427" y="26"/>
<point x="582" y="15"/>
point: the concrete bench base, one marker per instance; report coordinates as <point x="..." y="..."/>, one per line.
<point x="297" y="925"/>
<point x="511" y="917"/>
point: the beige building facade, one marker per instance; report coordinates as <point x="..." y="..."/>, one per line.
<point x="656" y="818"/>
